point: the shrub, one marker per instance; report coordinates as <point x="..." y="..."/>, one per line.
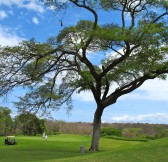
<point x="107" y="131"/>
<point x="131" y="133"/>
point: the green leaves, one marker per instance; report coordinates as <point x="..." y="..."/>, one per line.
<point x="29" y="124"/>
<point x="110" y="33"/>
<point x="75" y="37"/>
<point x="85" y="82"/>
<point x="5" y="121"/>
<point x="136" y="46"/>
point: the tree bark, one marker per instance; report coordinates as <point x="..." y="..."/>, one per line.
<point x="96" y="130"/>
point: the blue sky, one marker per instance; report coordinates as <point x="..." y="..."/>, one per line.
<point x="22" y="20"/>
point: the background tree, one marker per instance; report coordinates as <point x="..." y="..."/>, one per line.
<point x="138" y="52"/>
<point x="29" y="124"/>
<point x="5" y="121"/>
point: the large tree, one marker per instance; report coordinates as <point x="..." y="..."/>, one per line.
<point x="137" y="47"/>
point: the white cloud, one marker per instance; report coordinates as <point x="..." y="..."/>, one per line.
<point x="151" y="90"/>
<point x="8" y="37"/>
<point x="11" y="2"/>
<point x="35" y="20"/>
<point x="3" y="14"/>
<point x="84" y="96"/>
<point x="156" y="90"/>
<point x="33" y="5"/>
<point x="147" y="118"/>
<point x="52" y="8"/>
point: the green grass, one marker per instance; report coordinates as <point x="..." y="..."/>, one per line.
<point x="65" y="148"/>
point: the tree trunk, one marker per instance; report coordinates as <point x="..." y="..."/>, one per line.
<point x="96" y="130"/>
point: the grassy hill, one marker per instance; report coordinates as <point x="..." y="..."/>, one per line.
<point x="65" y="148"/>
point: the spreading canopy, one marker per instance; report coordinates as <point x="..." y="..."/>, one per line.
<point x="51" y="72"/>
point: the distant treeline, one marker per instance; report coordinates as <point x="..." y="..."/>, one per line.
<point x="29" y="124"/>
<point x="126" y="130"/>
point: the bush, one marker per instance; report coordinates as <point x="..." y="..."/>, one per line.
<point x="131" y="133"/>
<point x="56" y="133"/>
<point x="107" y="131"/>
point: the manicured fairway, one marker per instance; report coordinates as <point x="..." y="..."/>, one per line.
<point x="62" y="148"/>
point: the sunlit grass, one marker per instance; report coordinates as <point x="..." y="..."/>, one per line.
<point x="64" y="148"/>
